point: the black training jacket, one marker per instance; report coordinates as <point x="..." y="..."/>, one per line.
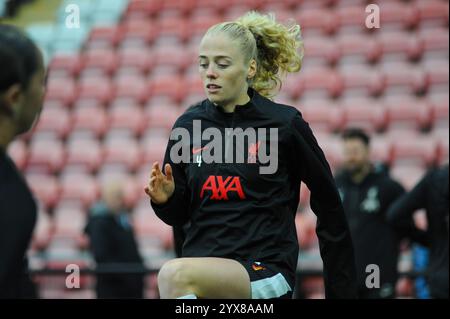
<point x="18" y="213"/>
<point x="236" y="212"/>
<point x="432" y="194"/>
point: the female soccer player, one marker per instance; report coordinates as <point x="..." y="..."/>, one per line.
<point x="241" y="238"/>
<point x="22" y="78"/>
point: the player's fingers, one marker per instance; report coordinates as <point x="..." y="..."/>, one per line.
<point x="168" y="170"/>
<point x="157" y="169"/>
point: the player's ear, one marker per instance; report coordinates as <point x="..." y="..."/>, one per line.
<point x="251" y="72"/>
<point x="10" y="100"/>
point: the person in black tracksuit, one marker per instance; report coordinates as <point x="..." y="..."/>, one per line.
<point x="367" y="191"/>
<point x="241" y="241"/>
<point x="22" y="77"/>
<point x="431" y="194"/>
<point x="113" y="245"/>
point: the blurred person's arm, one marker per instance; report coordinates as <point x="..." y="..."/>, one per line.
<point x="405" y="226"/>
<point x="400" y="213"/>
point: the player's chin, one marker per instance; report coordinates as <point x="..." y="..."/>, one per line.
<point x="214" y="98"/>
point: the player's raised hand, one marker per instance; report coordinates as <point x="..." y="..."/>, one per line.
<point x="161" y="186"/>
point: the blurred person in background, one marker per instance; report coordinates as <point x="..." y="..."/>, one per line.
<point x="113" y="245"/>
<point x="242" y="241"/>
<point x="367" y="191"/>
<point x="431" y="194"/>
<point x="22" y="87"/>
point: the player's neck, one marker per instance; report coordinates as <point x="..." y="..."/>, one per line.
<point x="359" y="176"/>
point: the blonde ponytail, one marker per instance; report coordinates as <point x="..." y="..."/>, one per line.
<point x="279" y="50"/>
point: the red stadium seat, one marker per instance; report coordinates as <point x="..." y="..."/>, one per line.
<point x="122" y="152"/>
<point x="437" y="78"/>
<point x="351" y="19"/>
<point x="184" y="7"/>
<point x="331" y="147"/>
<point x="403" y="78"/>
<point x="407" y="114"/>
<point x="91" y="119"/>
<point x="400" y="46"/>
<point x="435" y="42"/>
<point x="360" y="80"/>
<point x="170" y="55"/>
<point x="101" y="92"/>
<point x="219" y="6"/>
<point x="54" y="120"/>
<point x="191" y="99"/>
<point x="138" y="59"/>
<point x="320" y="50"/>
<point x="142" y="8"/>
<point x="147" y="224"/>
<point x="62" y="90"/>
<point x="323" y="116"/>
<point x="443" y="152"/>
<point x="163" y="70"/>
<point x="104" y="37"/>
<point x="201" y="20"/>
<point x="131" y="87"/>
<point x="173" y="26"/>
<point x="317" y="81"/>
<point x="234" y="9"/>
<point x="161" y="116"/>
<point x="100" y="59"/>
<point x="154" y="149"/>
<point x="65" y="64"/>
<point x="127" y="117"/>
<point x="439" y="104"/>
<point x="317" y="21"/>
<point x="380" y="149"/>
<point x="84" y="153"/>
<point x="46" y="188"/>
<point x="357" y="49"/>
<point x="413" y="149"/>
<point x="42" y="232"/>
<point x="397" y="15"/>
<point x="305" y="195"/>
<point x="137" y="33"/>
<point x="170" y="86"/>
<point x="18" y="151"/>
<point x="432" y="12"/>
<point x="365" y="114"/>
<point x="79" y="188"/>
<point x="441" y="137"/>
<point x="69" y="221"/>
<point x="306" y="229"/>
<point x="45" y="155"/>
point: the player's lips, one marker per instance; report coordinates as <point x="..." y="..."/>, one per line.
<point x="213" y="88"/>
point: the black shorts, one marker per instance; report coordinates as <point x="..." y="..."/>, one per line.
<point x="267" y="282"/>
